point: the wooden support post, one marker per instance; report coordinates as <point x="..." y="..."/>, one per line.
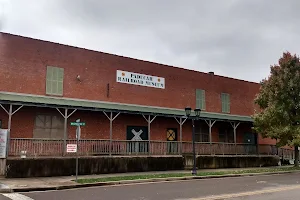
<point x="180" y="122"/>
<point x="10" y="113"/>
<point x="65" y="130"/>
<point x="9" y="116"/>
<point x="210" y="124"/>
<point x="149" y="120"/>
<point x="111" y="118"/>
<point x="65" y="115"/>
<point x="234" y="126"/>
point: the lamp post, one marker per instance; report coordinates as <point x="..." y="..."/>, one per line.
<point x="188" y="112"/>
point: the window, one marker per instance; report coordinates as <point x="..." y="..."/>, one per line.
<point x="225" y="132"/>
<point x="49" y="126"/>
<point x="225" y="98"/>
<point x="226" y="135"/>
<point x="54" y="81"/>
<point x="201" y="132"/>
<point x="200" y="99"/>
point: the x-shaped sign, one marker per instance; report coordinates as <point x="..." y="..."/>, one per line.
<point x="137" y="135"/>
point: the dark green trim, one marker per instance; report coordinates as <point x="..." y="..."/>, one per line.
<point x="47" y="101"/>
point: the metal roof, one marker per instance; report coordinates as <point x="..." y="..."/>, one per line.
<point x="48" y="101"/>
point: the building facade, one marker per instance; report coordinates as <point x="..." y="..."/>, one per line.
<point x="45" y="86"/>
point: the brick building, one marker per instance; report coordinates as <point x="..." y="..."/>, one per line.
<point x="45" y="86"/>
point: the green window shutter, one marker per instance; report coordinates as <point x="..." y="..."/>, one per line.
<point x="228" y="103"/>
<point x="203" y="100"/>
<point x="225" y="98"/>
<point x="60" y="81"/>
<point x="200" y="99"/>
<point x="49" y="80"/>
<point x="223" y="102"/>
<point x="54" y="82"/>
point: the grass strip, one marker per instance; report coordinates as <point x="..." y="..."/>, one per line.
<point x="173" y="175"/>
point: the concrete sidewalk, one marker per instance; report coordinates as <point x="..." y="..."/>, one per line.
<point x="52" y="183"/>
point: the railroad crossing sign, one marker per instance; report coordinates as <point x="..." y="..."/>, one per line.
<point x="171" y="136"/>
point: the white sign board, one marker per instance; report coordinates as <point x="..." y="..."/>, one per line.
<point x="71" y="148"/>
<point x="140" y="79"/>
<point x="3" y="142"/>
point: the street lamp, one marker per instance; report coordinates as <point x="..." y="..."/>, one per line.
<point x="188" y="112"/>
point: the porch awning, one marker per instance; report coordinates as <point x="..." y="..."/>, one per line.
<point x="56" y="102"/>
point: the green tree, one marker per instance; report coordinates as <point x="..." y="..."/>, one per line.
<point x="279" y="103"/>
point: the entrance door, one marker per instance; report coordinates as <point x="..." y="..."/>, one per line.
<point x="172" y="144"/>
<point x="249" y="138"/>
<point x="250" y="142"/>
<point x="138" y="136"/>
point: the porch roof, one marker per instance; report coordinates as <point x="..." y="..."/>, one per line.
<point x="56" y="102"/>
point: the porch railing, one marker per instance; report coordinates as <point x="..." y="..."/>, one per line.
<point x="89" y="147"/>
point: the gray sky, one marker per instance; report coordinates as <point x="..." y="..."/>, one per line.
<point x="236" y="38"/>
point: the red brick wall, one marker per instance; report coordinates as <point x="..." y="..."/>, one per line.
<point x="22" y="122"/>
<point x="266" y="140"/>
<point x="23" y="70"/>
<point x="97" y="125"/>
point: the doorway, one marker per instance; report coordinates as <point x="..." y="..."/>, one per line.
<point x="250" y="141"/>
<point x="172" y="144"/>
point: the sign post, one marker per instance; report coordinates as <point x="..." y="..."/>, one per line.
<point x="3" y="143"/>
<point x="76" y="147"/>
<point x="4" y="149"/>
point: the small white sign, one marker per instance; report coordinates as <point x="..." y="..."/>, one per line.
<point x="3" y="142"/>
<point x="140" y="79"/>
<point x="71" y="148"/>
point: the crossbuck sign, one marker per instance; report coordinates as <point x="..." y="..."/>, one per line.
<point x="137" y="135"/>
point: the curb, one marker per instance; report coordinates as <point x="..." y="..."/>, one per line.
<point x="125" y="182"/>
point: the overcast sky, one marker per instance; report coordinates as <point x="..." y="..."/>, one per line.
<point x="236" y="38"/>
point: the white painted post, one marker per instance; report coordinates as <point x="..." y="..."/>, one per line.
<point x="234" y="126"/>
<point x="9" y="116"/>
<point x="110" y="133"/>
<point x="210" y="125"/>
<point x="10" y="113"/>
<point x="149" y="136"/>
<point x="180" y="134"/>
<point x="111" y="119"/>
<point x="180" y="122"/>
<point x="65" y="130"/>
<point x="9" y="127"/>
<point x="65" y="116"/>
<point x="149" y="120"/>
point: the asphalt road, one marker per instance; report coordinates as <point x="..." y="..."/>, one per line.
<point x="273" y="187"/>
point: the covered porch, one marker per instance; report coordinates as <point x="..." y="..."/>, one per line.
<point x="40" y="126"/>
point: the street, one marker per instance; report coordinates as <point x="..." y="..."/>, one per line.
<point x="267" y="187"/>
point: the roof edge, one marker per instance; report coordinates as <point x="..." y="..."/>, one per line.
<point x="41" y="99"/>
<point x="127" y="57"/>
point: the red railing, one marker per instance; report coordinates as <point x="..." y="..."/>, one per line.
<point x="92" y="147"/>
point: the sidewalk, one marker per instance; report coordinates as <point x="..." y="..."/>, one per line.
<point x="52" y="183"/>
